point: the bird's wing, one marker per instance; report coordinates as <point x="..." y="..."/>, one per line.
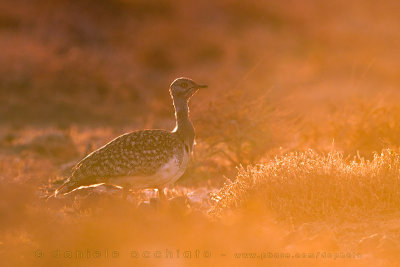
<point x="136" y="153"/>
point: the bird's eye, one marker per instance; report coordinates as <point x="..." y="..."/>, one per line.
<point x="184" y="85"/>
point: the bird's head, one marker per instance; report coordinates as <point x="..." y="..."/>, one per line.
<point x="184" y="88"/>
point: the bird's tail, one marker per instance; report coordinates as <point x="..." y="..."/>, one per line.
<point x="65" y="188"/>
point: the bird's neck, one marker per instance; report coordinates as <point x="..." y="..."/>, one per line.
<point x="184" y="127"/>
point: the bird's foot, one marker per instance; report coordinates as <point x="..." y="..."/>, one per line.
<point x="125" y="192"/>
<point x="161" y="195"/>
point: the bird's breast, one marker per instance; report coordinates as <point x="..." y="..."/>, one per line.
<point x="168" y="173"/>
<point x="174" y="168"/>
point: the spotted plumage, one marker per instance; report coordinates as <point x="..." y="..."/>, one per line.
<point x="140" y="153"/>
<point x="142" y="159"/>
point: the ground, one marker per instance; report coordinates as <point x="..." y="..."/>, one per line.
<point x="96" y="222"/>
<point x="297" y="136"/>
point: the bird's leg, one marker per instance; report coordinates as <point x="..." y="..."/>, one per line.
<point x="161" y="194"/>
<point x="125" y="191"/>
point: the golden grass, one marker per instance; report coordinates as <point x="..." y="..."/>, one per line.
<point x="302" y="202"/>
<point x="283" y="76"/>
<point x="308" y="186"/>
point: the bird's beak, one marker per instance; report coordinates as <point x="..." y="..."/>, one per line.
<point x="201" y="86"/>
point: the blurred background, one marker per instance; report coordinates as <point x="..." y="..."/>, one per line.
<point x="283" y="76"/>
<point x="109" y="63"/>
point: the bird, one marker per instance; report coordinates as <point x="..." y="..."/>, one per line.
<point x="151" y="158"/>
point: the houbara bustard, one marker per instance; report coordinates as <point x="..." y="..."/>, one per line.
<point x="142" y="159"/>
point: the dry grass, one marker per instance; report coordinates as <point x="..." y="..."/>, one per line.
<point x="307" y="186"/>
<point x="301" y="202"/>
<point x="361" y="127"/>
<point x="283" y="76"/>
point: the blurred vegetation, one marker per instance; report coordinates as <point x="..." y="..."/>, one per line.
<point x="238" y="128"/>
<point x="278" y="80"/>
<point x="283" y="76"/>
<point x="108" y="64"/>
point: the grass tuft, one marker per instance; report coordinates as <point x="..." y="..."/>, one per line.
<point x="308" y="186"/>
